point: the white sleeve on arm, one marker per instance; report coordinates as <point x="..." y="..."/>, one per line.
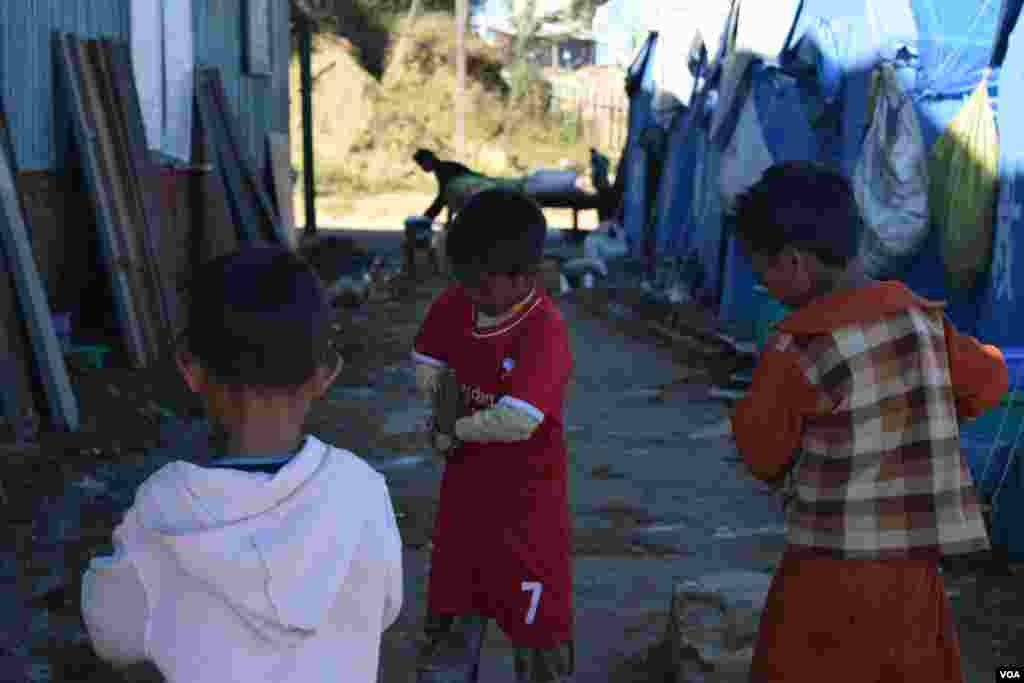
<point x="427" y="371"/>
<point x="394" y="597"/>
<point x="114" y="603"/>
<point x="509" y="421"/>
<point x="426" y="379"/>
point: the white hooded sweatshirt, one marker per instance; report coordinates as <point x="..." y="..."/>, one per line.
<point x="224" y="575"/>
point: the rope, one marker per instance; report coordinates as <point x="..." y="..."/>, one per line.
<point x="1002" y="427"/>
<point x="1013" y="448"/>
<point x="1009" y="463"/>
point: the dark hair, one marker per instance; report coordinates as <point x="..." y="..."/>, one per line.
<point x="498" y="231"/>
<point x="804" y="205"/>
<point x="258" y="317"/>
<point x="423" y="156"/>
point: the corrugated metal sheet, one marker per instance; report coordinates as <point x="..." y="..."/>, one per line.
<point x="27" y="70"/>
<point x="260" y="103"/>
<point x="26" y="65"/>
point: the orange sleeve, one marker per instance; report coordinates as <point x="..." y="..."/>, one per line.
<point x="978" y="371"/>
<point x="768" y="422"/>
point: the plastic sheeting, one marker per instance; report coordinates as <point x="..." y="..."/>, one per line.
<point x="675" y="192"/>
<point x="1002" y="311"/>
<point x="637" y="162"/>
<point x="772" y="127"/>
<point x="764" y="28"/>
<point x="706" y="209"/>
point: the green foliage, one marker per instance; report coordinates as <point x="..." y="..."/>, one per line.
<point x="567" y="130"/>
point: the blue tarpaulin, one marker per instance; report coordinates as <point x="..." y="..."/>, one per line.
<point x="942" y="49"/>
<point x="641" y="88"/>
<point x="1001" y="318"/>
<point x="675" y="191"/>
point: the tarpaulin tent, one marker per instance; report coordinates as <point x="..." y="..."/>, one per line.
<point x="673" y="223"/>
<point x="640" y="86"/>
<point x="943" y="49"/>
<point x="1001" y="315"/>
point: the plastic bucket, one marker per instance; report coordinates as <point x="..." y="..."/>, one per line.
<point x="422" y="228"/>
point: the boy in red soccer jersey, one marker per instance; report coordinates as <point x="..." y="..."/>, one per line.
<point x="502" y="536"/>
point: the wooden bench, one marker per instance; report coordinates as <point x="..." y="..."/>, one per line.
<point x="577" y="201"/>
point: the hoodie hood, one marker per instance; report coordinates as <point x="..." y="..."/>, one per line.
<point x="276" y="547"/>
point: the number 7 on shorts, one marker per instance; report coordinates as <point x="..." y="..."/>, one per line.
<point x="536" y="588"/>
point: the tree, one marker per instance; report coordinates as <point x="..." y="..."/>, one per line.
<point x="461" y="19"/>
<point x="398" y="56"/>
<point x="583" y="10"/>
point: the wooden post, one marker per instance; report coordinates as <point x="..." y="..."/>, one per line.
<point x="308" y="171"/>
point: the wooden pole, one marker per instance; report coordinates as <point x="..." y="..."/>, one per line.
<point x="308" y="172"/>
<point x="461" y="19"/>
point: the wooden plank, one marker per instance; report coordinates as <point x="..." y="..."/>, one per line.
<point x="122" y="173"/>
<point x="280" y="163"/>
<point x="110" y="155"/>
<point x="213" y="230"/>
<point x="118" y="56"/>
<point x="242" y="211"/>
<point x="46" y="349"/>
<point x="244" y="163"/>
<point x="17" y="389"/>
<point x="85" y="138"/>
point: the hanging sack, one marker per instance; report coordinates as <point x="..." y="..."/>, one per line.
<point x="891" y="179"/>
<point x="963" y="170"/>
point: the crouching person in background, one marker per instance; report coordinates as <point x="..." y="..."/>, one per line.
<point x="503" y="532"/>
<point x="853" y="413"/>
<point x="281" y="560"/>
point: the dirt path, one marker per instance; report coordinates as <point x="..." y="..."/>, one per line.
<point x="651" y="506"/>
<point x="389" y="211"/>
<point x="651" y="509"/>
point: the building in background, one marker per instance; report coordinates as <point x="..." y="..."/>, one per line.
<point x="564" y="44"/>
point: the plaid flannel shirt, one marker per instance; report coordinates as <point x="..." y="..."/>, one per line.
<point x="854" y="415"/>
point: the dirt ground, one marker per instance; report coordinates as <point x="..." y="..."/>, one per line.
<point x="389" y="211"/>
<point x="125" y="416"/>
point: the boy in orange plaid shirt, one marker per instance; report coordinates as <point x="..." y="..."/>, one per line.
<point x="854" y="415"/>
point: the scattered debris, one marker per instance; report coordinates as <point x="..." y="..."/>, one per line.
<point x="715" y="431"/>
<point x="91" y="485"/>
<point x="606" y="472"/>
<point x="727" y="394"/>
<point x="713" y="625"/>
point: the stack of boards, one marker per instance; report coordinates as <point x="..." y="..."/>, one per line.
<point x="103" y="102"/>
<point x="101" y="98"/>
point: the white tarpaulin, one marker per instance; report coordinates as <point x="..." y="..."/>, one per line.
<point x="763" y="27"/>
<point x="673" y="80"/>
<point x="163" y="58"/>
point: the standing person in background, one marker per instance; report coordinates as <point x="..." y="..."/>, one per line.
<point x="502" y="540"/>
<point x="853" y="414"/>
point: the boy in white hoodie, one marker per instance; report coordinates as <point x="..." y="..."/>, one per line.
<point x="280" y="561"/>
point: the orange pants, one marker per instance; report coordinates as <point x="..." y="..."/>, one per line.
<point x="857" y="621"/>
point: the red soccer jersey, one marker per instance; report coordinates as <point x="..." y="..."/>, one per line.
<point x="502" y="540"/>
